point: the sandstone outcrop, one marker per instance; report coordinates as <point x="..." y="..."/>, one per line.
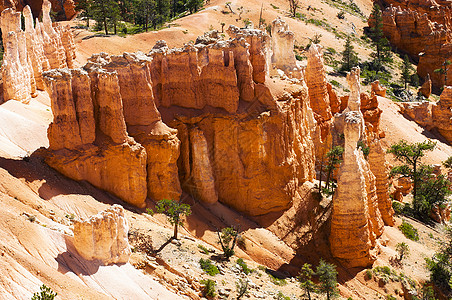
<point x="65" y="12"/>
<point x="283" y="57"/>
<point x="252" y="160"/>
<point x="103" y="237"/>
<point x="356" y="220"/>
<point x="317" y="85"/>
<point x="442" y="114"/>
<point x="422" y="31"/>
<point x="426" y="88"/>
<point x="28" y="53"/>
<point x="88" y="138"/>
<point x="378" y="89"/>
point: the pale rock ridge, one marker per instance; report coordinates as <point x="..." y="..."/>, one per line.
<point x="17" y="73"/>
<point x="283" y="57"/>
<point x="356" y="220"/>
<point x="104" y="237"/>
<point x="28" y="53"/>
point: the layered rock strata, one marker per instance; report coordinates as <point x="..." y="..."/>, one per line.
<point x="432" y="115"/>
<point x="356" y="219"/>
<point x="253" y="160"/>
<point x="424" y="33"/>
<point x="103" y="237"/>
<point x="28" y="53"/>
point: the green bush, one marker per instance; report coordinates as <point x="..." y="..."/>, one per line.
<point x="45" y="293"/>
<point x="409" y="231"/>
<point x="244" y="266"/>
<point x="203" y="249"/>
<point x="368" y="275"/>
<point x="208" y="289"/>
<point x="208" y="267"/>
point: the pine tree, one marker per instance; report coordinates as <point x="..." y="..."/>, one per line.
<point x="144" y="12"/>
<point x="349" y="56"/>
<point x="85" y="6"/>
<point x="105" y="12"/>
<point x="406" y="71"/>
<point x="305" y="280"/>
<point x="328" y="279"/>
<point x="444" y="70"/>
<point x="381" y="44"/>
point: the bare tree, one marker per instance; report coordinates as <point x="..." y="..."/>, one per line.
<point x="293" y="6"/>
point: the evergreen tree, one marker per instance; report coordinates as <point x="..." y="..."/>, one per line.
<point x="406" y="71"/>
<point x="144" y="12"/>
<point x="381" y="44"/>
<point x="444" y="70"/>
<point x="328" y="279"/>
<point x="410" y="155"/>
<point x="334" y="159"/>
<point x="174" y="212"/>
<point x="105" y="12"/>
<point x="86" y="11"/>
<point x="349" y="56"/>
<point x="194" y="5"/>
<point x="305" y="280"/>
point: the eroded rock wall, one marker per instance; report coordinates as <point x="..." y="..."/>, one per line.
<point x="423" y="29"/>
<point x="28" y="53"/>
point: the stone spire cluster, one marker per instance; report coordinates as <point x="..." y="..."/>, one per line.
<point x="40" y="47"/>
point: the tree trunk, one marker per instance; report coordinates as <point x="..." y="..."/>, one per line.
<point x="176" y="228"/>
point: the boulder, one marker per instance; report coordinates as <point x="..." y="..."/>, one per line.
<point x="426" y="88"/>
<point x="103" y="237"/>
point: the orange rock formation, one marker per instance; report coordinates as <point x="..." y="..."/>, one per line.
<point x="423" y="29"/>
<point x="356" y="220"/>
<point x="65" y="12"/>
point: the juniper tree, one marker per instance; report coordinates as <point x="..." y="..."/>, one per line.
<point x="174" y="212"/>
<point x="305" y="280"/>
<point x="410" y="156"/>
<point x="444" y="70"/>
<point x="293" y="6"/>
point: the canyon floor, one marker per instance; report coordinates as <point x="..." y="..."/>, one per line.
<point x="39" y="204"/>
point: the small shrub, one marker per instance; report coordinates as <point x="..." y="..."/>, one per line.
<point x="242" y="288"/>
<point x="45" y="293"/>
<point x="335" y="83"/>
<point x="368" y="275"/>
<point x="208" y="267"/>
<point x="281" y="296"/>
<point x="208" y="289"/>
<point x="276" y="280"/>
<point x="409" y="231"/>
<point x="390" y="297"/>
<point x="341" y="15"/>
<point x="244" y="266"/>
<point x="274" y="6"/>
<point x="203" y="249"/>
<point x="403" y="250"/>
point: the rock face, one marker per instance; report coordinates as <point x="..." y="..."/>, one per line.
<point x="423" y="29"/>
<point x="441" y="114"/>
<point x="28" y="53"/>
<point x="253" y="160"/>
<point x="283" y="57"/>
<point x="103" y="237"/>
<point x="66" y="12"/>
<point x="356" y="219"/>
<point x="426" y="88"/>
<point x="88" y="138"/>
